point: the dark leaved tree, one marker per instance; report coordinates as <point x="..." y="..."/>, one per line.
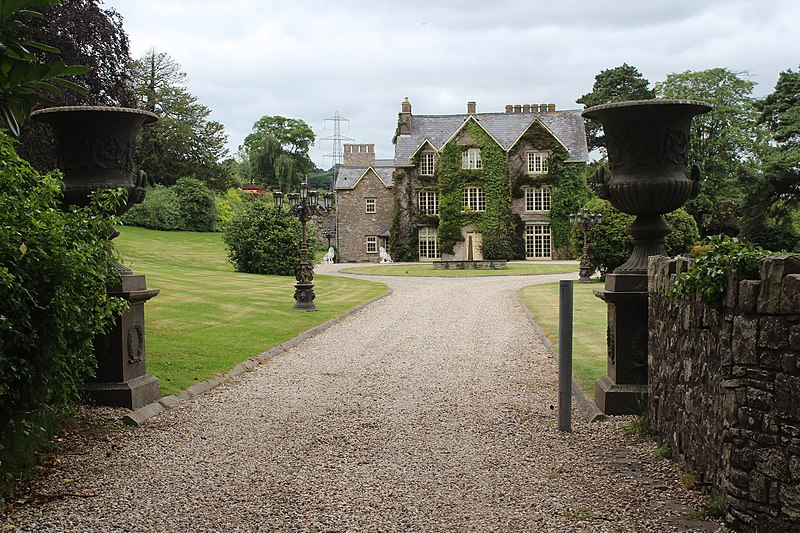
<point x="613" y="85"/>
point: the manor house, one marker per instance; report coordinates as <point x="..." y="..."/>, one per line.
<point x="465" y="186"/>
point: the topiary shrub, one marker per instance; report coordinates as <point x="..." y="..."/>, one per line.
<point x="54" y="269"/>
<point x="197" y="205"/>
<point x="262" y="241"/>
<point x="160" y="210"/>
<point x="610" y="246"/>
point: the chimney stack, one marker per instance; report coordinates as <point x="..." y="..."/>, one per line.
<point x="471" y="108"/>
<point x="404" y="118"/>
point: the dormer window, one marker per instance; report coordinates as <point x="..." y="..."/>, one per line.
<point x="426" y="164"/>
<point x="471" y="158"/>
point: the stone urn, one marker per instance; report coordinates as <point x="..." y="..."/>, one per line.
<point x="95" y="147"/>
<point x="647" y="143"/>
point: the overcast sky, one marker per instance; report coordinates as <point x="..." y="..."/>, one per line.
<point x="302" y="59"/>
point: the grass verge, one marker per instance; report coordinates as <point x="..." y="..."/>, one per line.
<point x="208" y="317"/>
<point x="426" y="269"/>
<point x="589" y="352"/>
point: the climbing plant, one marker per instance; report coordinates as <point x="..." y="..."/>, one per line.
<point x="496" y="223"/>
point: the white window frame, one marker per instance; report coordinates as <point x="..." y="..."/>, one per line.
<point x="427" y="163"/>
<point x="371" y="244"/>
<point x="370" y="205"/>
<point x="474" y="199"/>
<point x="537" y="161"/>
<point x="428" y="244"/>
<point x="538" y="199"/>
<point x="428" y="202"/>
<point x="471" y="159"/>
<point x="538" y="241"/>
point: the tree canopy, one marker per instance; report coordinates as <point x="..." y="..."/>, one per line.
<point x="276" y="152"/>
<point x="184" y="142"/>
<point x="75" y="32"/>
<point x="720" y="142"/>
<point x="773" y="185"/>
<point x="613" y="85"/>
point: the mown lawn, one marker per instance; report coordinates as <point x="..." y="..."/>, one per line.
<point x="426" y="269"/>
<point x="589" y="352"/>
<point x="208" y="317"/>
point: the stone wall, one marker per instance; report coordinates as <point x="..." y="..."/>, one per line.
<point x="354" y="224"/>
<point x="725" y="389"/>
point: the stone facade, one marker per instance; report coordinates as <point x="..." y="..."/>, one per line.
<point x="725" y="389"/>
<point x="364" y="204"/>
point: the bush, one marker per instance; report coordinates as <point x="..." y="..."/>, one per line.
<point x="610" y="246"/>
<point x="227" y="205"/>
<point x="261" y="241"/>
<point x="53" y="276"/>
<point x="160" y="210"/>
<point x="197" y="205"/>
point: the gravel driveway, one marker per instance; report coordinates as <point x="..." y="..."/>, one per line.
<point x="430" y="409"/>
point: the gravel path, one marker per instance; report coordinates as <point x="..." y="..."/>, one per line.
<point x="431" y="409"/>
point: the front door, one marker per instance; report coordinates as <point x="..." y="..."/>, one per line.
<point x="472" y="248"/>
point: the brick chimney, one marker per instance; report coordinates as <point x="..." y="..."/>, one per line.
<point x="404" y="118"/>
<point x="471" y="106"/>
<point x="359" y="155"/>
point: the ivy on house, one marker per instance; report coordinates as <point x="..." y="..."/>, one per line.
<point x="496" y="223"/>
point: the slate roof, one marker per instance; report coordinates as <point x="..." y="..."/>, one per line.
<point x="349" y="176"/>
<point x="506" y="128"/>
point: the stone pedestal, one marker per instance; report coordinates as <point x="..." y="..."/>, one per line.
<point x="121" y="379"/>
<point x="624" y="389"/>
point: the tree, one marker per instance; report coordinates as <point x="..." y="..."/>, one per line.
<point x="184" y="142"/>
<point x="613" y="85"/>
<point x="773" y="187"/>
<point x="277" y="151"/>
<point x="720" y="142"/>
<point x="77" y="32"/>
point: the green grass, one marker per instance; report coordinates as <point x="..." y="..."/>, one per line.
<point x="426" y="269"/>
<point x="208" y="317"/>
<point x="589" y="352"/>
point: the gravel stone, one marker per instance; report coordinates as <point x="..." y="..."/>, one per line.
<point x="430" y="409"/>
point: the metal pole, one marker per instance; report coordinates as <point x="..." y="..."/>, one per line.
<point x="565" y="356"/>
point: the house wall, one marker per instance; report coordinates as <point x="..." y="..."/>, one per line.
<point x="354" y="224"/>
<point x="725" y="389"/>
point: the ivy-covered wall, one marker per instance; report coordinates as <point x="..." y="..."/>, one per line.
<point x="496" y="223"/>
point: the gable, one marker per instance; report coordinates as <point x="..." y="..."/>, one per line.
<point x="350" y="177"/>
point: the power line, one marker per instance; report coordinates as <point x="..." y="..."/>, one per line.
<point x="337" y="152"/>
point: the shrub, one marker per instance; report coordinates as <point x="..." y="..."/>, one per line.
<point x="54" y="269"/>
<point x="707" y="276"/>
<point x="227" y="205"/>
<point x="610" y="246"/>
<point x="160" y="210"/>
<point x="197" y="205"/>
<point x="262" y="241"/>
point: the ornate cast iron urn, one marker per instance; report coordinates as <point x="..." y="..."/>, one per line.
<point x="95" y="147"/>
<point x="647" y="143"/>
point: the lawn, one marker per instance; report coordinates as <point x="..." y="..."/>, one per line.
<point x="426" y="269"/>
<point x="208" y="317"/>
<point x="589" y="352"/>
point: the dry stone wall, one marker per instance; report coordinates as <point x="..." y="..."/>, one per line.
<point x="725" y="389"/>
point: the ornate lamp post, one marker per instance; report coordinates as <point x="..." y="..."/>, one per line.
<point x="585" y="221"/>
<point x="304" y="205"/>
<point x="329" y="234"/>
